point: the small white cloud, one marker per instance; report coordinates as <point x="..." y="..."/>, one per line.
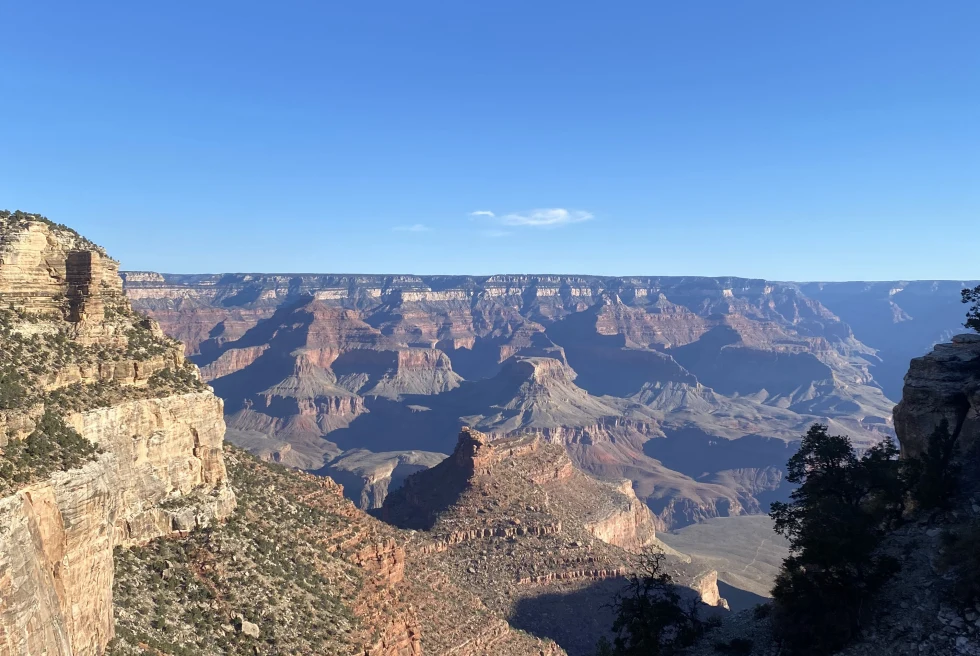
<point x="546" y="218"/>
<point x="486" y="213"/>
<point x="495" y="233"/>
<point x="418" y="227"/>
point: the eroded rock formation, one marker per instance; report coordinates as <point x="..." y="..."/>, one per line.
<point x="635" y="375"/>
<point x="111" y="463"/>
<point x="943" y="385"/>
<point x="80" y="369"/>
<point x="515" y="521"/>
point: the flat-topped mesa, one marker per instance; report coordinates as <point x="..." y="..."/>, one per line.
<point x="942" y="385"/>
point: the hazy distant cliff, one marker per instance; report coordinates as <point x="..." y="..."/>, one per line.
<point x="679" y="384"/>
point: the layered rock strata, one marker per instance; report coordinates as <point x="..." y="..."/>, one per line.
<point x="80" y="369"/>
<point x="515" y="521"/>
<point x="941" y="386"/>
<point x="322" y="364"/>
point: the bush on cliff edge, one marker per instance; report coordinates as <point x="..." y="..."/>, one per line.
<point x="835" y="521"/>
<point x="973" y="314"/>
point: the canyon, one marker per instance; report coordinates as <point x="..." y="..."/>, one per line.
<point x="694" y="389"/>
<point x="485" y="459"/>
<point x="128" y="524"/>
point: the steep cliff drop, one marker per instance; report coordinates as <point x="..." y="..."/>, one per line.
<point x="127" y="527"/>
<point x="944" y="384"/>
<point x="103" y="429"/>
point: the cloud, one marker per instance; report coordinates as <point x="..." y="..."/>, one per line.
<point x="546" y="218"/>
<point x="418" y="227"/>
<point x="495" y="233"/>
<point x="486" y="213"/>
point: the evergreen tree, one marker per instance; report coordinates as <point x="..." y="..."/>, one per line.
<point x="973" y="314"/>
<point x="835" y="521"/>
<point x="651" y="617"/>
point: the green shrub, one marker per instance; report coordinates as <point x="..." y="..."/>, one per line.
<point x="53" y="445"/>
<point x="13" y="388"/>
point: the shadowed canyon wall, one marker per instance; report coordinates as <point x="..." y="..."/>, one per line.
<point x="689" y="387"/>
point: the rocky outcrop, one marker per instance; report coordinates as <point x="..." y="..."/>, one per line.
<point x="513" y="520"/>
<point x="41" y="267"/>
<point x="167" y="453"/>
<point x="943" y="385"/>
<point x="89" y="372"/>
<point x="631" y="527"/>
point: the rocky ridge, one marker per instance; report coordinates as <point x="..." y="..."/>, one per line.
<point x="126" y="526"/>
<point x="633" y="374"/>
<point x="513" y="520"/>
<point x="299" y="569"/>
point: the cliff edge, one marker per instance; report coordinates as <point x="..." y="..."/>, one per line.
<point x="944" y="384"/>
<point x="107" y="438"/>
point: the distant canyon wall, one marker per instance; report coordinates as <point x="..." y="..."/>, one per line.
<point x="688" y="386"/>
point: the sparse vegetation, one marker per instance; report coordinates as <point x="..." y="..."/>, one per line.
<point x="19" y="219"/>
<point x="169" y="381"/>
<point x="142" y="343"/>
<point x="53" y="445"/>
<point x="270" y="565"/>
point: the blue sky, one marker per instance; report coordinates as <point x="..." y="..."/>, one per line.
<point x="787" y="140"/>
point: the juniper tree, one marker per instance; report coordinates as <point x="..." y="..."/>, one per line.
<point x="834" y="521"/>
<point x="972" y="314"/>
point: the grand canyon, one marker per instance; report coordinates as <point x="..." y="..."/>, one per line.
<point x="695" y="389"/>
<point x="489" y="329"/>
<point x="438" y="465"/>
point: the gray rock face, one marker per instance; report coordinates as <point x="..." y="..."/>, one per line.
<point x="944" y="384"/>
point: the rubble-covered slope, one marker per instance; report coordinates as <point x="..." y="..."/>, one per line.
<point x="298" y="569"/>
<point x="537" y="540"/>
